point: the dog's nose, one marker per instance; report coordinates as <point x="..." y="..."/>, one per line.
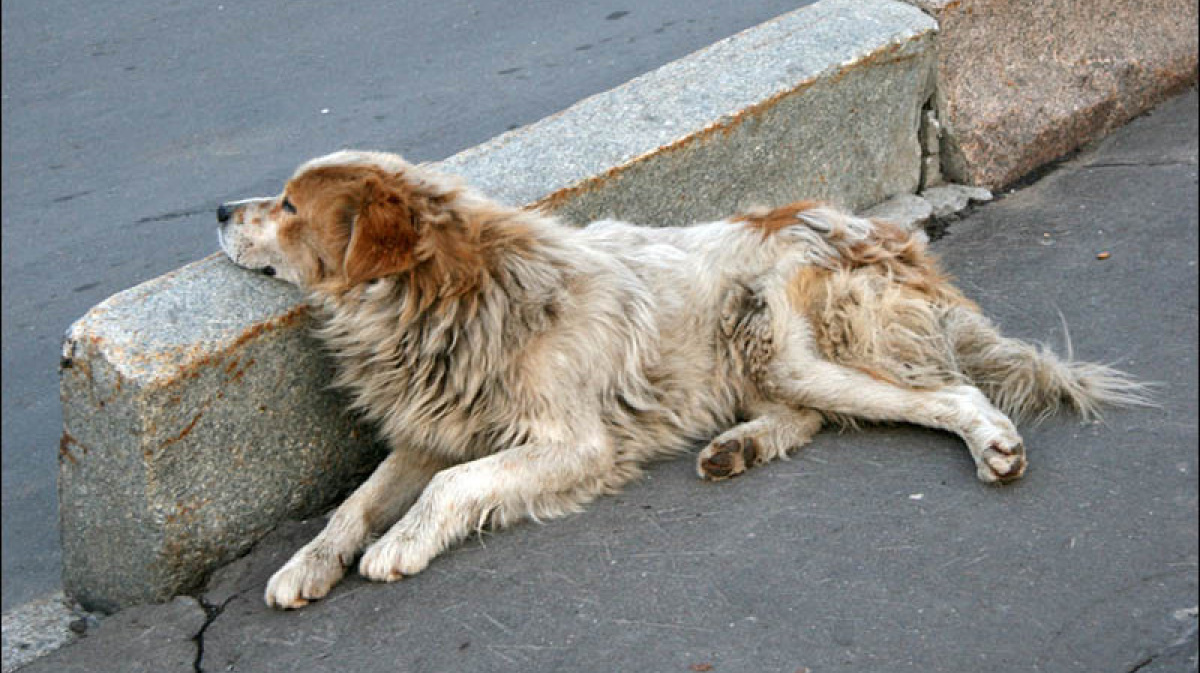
<point x="224" y="212"/>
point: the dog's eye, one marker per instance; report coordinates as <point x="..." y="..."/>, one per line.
<point x="268" y="271"/>
<point x="287" y="205"/>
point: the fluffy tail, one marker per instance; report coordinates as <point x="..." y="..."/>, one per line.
<point x="1031" y="382"/>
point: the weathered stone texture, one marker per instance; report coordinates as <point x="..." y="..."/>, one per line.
<point x="823" y="102"/>
<point x="196" y="415"/>
<point x="1023" y="82"/>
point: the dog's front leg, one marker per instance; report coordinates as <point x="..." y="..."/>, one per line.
<point x="538" y="480"/>
<point x="320" y="564"/>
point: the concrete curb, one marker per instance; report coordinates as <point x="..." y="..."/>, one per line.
<point x="195" y="410"/>
<point x="811" y="102"/>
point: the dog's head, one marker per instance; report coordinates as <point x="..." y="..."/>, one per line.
<point x="342" y="219"/>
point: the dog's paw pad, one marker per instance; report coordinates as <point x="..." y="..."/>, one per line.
<point x="1002" y="462"/>
<point x="728" y="458"/>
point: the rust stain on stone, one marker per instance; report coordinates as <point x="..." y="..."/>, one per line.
<point x="197" y="363"/>
<point x="289" y="318"/>
<point x="237" y="375"/>
<point x="64" y="448"/>
<point x="186" y="431"/>
<point x="186" y="510"/>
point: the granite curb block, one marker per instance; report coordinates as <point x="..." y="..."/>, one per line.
<point x="822" y="102"/>
<point x="1024" y="82"/>
<point x="196" y="414"/>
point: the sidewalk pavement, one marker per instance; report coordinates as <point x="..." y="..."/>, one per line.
<point x="871" y="550"/>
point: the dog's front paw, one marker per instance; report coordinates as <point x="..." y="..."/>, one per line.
<point x="306" y="577"/>
<point x="392" y="558"/>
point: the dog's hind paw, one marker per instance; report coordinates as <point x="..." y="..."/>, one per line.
<point x="1001" y="462"/>
<point x="722" y="460"/>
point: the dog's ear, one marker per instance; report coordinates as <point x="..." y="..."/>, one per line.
<point x="383" y="235"/>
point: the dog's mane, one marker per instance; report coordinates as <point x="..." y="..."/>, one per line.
<point x="485" y="284"/>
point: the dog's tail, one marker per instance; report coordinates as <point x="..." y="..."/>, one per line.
<point x="1031" y="382"/>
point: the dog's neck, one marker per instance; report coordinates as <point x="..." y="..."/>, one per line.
<point x="507" y="278"/>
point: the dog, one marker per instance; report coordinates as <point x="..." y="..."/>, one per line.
<point x="519" y="367"/>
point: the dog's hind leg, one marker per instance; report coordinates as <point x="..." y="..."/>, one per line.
<point x="374" y="506"/>
<point x="991" y="437"/>
<point x="776" y="346"/>
<point x="774" y="432"/>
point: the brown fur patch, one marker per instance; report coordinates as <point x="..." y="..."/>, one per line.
<point x="881" y="376"/>
<point x="902" y="255"/>
<point x="771" y="221"/>
<point x="806" y="288"/>
<point x="879" y="312"/>
<point x="384" y="235"/>
<point x="362" y="223"/>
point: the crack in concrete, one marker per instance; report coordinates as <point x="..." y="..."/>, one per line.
<point x="212" y="612"/>
<point x="1144" y="663"/>
<point x="1186" y="636"/>
<point x="1139" y="164"/>
<point x="173" y="215"/>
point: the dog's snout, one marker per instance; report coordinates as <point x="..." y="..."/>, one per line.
<point x="224" y="212"/>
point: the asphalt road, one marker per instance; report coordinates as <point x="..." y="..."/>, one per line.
<point x="124" y="124"/>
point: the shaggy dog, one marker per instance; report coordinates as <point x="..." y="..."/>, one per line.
<point x="519" y="367"/>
